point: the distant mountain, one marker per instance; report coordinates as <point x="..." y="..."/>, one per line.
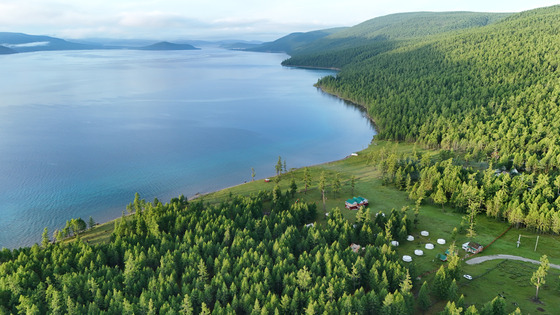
<point x="418" y="24"/>
<point x="294" y="41"/>
<point x="168" y="46"/>
<point x="386" y="33"/>
<point x="111" y="43"/>
<point x="239" y="46"/>
<point x="400" y="27"/>
<point x="6" y="50"/>
<point x="20" y="42"/>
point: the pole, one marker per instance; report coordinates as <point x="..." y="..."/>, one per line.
<point x="518" y="240"/>
<point x="536" y="243"/>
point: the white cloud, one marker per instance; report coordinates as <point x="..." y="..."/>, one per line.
<point x="197" y="19"/>
<point x="154" y="19"/>
<point x="33" y="44"/>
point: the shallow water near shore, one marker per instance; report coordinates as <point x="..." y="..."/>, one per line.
<point x="82" y="131"/>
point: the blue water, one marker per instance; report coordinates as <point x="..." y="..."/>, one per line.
<point x="81" y="132"/>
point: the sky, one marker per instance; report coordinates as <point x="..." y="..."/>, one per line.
<point x="263" y="20"/>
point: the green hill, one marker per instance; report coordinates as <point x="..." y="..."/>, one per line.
<point x="417" y="24"/>
<point x="385" y="33"/>
<point x="168" y="46"/>
<point x="292" y="42"/>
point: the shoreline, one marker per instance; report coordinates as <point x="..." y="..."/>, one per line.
<point x="312" y="67"/>
<point x="200" y="195"/>
<point x="361" y="106"/>
<point x="197" y="195"/>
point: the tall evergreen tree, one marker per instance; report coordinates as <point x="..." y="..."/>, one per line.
<point x="306" y="178"/>
<point x="278" y="166"/>
<point x="322" y="188"/>
<point x="440" y="283"/>
<point x="45" y="238"/>
<point x="336" y="186"/>
<point x="423" y="300"/>
<point x="293" y="187"/>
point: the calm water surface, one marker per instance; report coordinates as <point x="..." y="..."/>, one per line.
<point x="81" y="132"/>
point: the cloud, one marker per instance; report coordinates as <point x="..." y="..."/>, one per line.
<point x="155" y="19"/>
<point x="212" y="19"/>
<point x="32" y="44"/>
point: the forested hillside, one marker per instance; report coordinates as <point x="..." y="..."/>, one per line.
<point x="381" y="34"/>
<point x="292" y="42"/>
<point x="248" y="255"/>
<point x="488" y="94"/>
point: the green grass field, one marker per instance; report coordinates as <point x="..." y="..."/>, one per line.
<point x="509" y="278"/>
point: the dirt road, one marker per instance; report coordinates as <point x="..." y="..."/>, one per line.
<point x="480" y="259"/>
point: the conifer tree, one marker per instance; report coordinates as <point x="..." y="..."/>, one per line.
<point x="499" y="306"/>
<point x="322" y="187"/>
<point x="336" y="184"/>
<point x="278" y="166"/>
<point x="293" y="187"/>
<point x="439" y="196"/>
<point x="45" y="238"/>
<point x="538" y="278"/>
<point x="471" y="310"/>
<point x="186" y="306"/>
<point x="306" y="178"/>
<point x="440" y="284"/>
<point x="453" y="291"/>
<point x="423" y="297"/>
<point x="451" y="309"/>
<point x="91" y="222"/>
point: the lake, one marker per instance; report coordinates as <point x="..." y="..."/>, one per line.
<point x="82" y="131"/>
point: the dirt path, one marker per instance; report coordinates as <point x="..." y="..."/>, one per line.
<point x="478" y="260"/>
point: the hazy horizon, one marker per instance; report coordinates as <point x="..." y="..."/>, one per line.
<point x="216" y="19"/>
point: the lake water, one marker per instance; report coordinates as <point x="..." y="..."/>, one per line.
<point x="82" y="131"/>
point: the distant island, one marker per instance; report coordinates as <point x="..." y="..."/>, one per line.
<point x="11" y="43"/>
<point x="6" y="51"/>
<point x="20" y="42"/>
<point x="168" y="46"/>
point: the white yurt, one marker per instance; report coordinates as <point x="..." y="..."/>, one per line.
<point x="425" y="233"/>
<point x="440" y="241"/>
<point x="410" y="238"/>
<point x="406" y="258"/>
<point x="429" y="246"/>
<point x="395" y="243"/>
<point x="418" y="252"/>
